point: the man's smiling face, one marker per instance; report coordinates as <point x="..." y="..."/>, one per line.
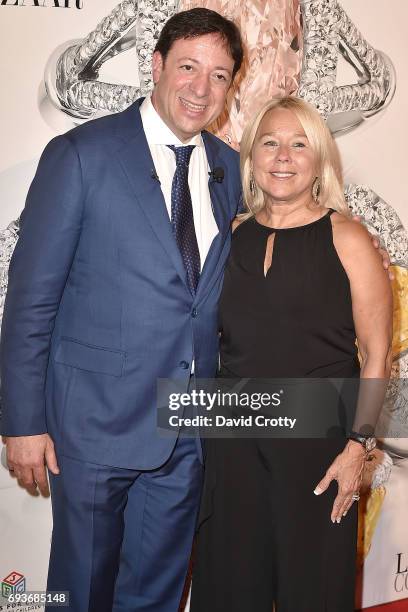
<point x="192" y="84"/>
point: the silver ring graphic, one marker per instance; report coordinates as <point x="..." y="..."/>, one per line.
<point x="71" y="74"/>
<point x="329" y="33"/>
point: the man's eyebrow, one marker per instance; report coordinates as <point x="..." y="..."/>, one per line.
<point x="194" y="61"/>
<point x="190" y="59"/>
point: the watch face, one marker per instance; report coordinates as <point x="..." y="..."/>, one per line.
<point x="370" y="444"/>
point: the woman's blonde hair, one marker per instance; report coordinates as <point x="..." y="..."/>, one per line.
<point x="328" y="163"/>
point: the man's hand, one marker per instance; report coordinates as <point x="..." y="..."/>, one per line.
<point x="347" y="470"/>
<point x="376" y="244"/>
<point x="27" y="457"/>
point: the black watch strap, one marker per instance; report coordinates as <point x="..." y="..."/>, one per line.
<point x="366" y="441"/>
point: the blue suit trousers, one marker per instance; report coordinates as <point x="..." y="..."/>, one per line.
<point x="122" y="538"/>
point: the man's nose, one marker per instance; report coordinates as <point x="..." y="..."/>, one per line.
<point x="201" y="85"/>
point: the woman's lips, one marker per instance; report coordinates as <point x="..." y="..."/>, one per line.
<point x="283" y="175"/>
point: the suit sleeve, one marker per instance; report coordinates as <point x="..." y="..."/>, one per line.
<point x="50" y="229"/>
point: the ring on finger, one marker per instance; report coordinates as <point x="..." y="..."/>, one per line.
<point x="355" y="496"/>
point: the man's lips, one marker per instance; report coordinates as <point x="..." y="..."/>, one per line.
<point x="191" y="106"/>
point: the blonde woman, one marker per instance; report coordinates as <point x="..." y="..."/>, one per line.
<point x="302" y="283"/>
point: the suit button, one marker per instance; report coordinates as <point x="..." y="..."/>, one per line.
<point x="184" y="364"/>
<point x="194" y="313"/>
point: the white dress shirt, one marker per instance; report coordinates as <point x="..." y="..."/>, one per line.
<point x="158" y="136"/>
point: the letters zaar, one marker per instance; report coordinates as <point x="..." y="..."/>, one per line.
<point x="78" y="4"/>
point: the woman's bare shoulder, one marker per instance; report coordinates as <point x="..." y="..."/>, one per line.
<point x="355" y="248"/>
<point x="346" y="229"/>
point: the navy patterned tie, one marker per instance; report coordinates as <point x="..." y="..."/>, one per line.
<point x="182" y="218"/>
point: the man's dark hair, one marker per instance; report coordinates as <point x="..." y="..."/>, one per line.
<point x="199" y="22"/>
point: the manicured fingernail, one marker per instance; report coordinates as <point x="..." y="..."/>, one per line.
<point x="344" y="513"/>
<point x="338" y="520"/>
<point x="317" y="491"/>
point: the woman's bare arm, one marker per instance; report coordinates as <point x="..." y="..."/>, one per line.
<point x="371" y="295"/>
<point x="372" y="313"/>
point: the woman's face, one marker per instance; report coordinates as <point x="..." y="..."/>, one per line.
<point x="284" y="164"/>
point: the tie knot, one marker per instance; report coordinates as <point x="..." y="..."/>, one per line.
<point x="182" y="154"/>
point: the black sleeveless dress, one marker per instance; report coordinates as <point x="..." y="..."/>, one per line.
<point x="264" y="537"/>
<point x="295" y="322"/>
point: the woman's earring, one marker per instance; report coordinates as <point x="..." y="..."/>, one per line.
<point x="316" y="189"/>
<point x="252" y="184"/>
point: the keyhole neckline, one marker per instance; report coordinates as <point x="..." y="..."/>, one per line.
<point x="296" y="227"/>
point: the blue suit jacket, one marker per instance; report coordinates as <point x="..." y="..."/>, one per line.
<point x="98" y="306"/>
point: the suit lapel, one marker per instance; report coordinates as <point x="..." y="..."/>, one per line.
<point x="137" y="163"/>
<point x="219" y="201"/>
<point x="136" y="160"/>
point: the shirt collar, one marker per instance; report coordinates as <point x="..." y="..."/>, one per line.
<point x="156" y="130"/>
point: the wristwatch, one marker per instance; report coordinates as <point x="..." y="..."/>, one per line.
<point x="369" y="443"/>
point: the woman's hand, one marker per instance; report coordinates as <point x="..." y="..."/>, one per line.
<point x="347" y="469"/>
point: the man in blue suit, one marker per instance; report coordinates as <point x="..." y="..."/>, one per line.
<point x="113" y="284"/>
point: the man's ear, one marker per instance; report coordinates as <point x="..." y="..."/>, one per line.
<point x="157" y="66"/>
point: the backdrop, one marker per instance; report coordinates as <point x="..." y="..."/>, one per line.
<point x="293" y="46"/>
